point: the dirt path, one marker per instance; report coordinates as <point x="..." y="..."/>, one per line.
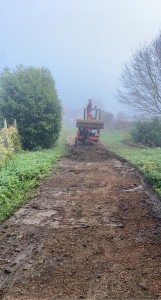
<point x="91" y="233"/>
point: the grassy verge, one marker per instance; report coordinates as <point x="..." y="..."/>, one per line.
<point x="23" y="172"/>
<point x="147" y="160"/>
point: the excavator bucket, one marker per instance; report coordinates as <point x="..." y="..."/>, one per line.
<point x="89" y="123"/>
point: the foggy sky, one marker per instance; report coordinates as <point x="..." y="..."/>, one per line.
<point x="83" y="42"/>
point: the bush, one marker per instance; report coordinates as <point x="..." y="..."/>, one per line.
<point x="147" y="133"/>
<point x="28" y="95"/>
<point x="9" y="143"/>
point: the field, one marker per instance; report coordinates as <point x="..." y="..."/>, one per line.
<point x="147" y="160"/>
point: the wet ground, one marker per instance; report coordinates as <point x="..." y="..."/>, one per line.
<point x="92" y="232"/>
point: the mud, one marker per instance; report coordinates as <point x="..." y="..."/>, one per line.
<point x="92" y="232"/>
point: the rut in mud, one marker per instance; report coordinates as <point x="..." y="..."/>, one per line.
<point x="90" y="233"/>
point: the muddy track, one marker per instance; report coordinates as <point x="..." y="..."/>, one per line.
<point x="90" y="233"/>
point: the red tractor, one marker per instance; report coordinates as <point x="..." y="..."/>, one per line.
<point x="89" y="127"/>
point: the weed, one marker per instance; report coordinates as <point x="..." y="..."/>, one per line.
<point x="23" y="172"/>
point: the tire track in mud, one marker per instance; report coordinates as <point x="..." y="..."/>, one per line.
<point x="90" y="233"/>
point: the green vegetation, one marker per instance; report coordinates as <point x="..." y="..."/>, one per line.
<point x="147" y="133"/>
<point x="147" y="160"/>
<point x="28" y="95"/>
<point x="9" y="143"/>
<point x="23" y="172"/>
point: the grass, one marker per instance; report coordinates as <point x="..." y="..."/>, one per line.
<point x="23" y="172"/>
<point x="147" y="160"/>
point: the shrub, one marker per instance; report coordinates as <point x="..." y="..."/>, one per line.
<point x="147" y="133"/>
<point x="28" y="95"/>
<point x="9" y="143"/>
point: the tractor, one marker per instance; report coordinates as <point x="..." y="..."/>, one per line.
<point x="89" y="127"/>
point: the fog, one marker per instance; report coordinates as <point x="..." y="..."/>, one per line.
<point x="83" y="42"/>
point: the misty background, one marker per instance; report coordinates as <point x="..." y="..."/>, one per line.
<point x="83" y="42"/>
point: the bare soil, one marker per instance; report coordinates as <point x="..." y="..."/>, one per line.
<point x="92" y="232"/>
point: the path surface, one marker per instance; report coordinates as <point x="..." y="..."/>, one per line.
<point x="90" y="233"/>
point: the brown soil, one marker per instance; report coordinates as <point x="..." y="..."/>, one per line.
<point x="92" y="232"/>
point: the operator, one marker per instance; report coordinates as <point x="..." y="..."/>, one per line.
<point x="86" y="133"/>
<point x="89" y="108"/>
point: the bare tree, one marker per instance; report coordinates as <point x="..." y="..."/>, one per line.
<point x="141" y="80"/>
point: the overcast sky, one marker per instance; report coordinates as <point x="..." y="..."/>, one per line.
<point x="83" y="42"/>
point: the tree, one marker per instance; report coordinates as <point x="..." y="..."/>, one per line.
<point x="141" y="80"/>
<point x="122" y="121"/>
<point x="28" y="95"/>
<point x="107" y="117"/>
